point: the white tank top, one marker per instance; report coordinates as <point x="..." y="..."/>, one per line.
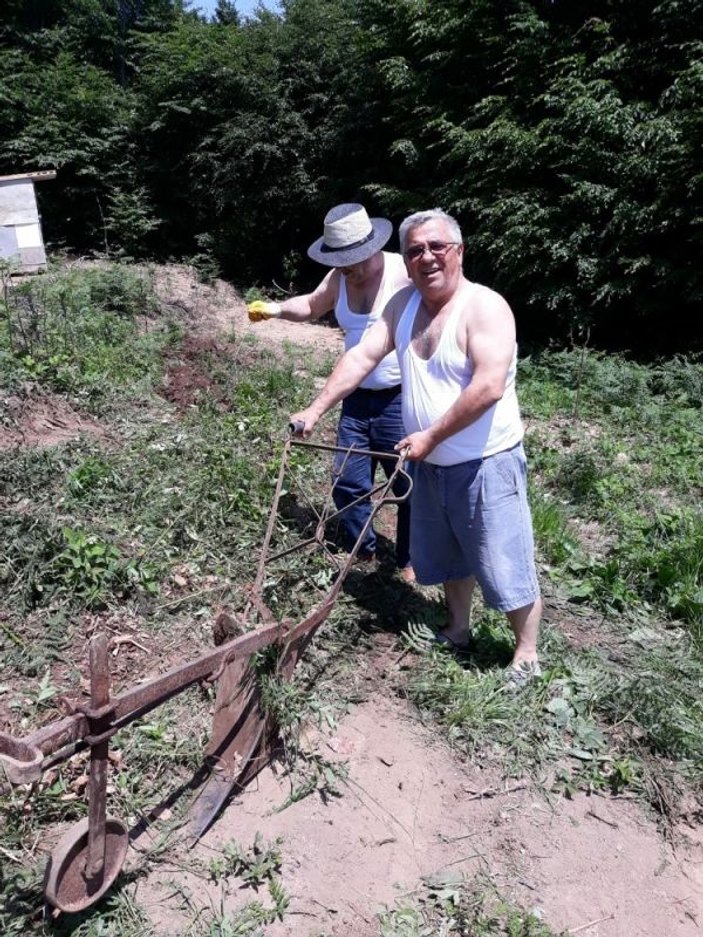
<point x="431" y="387"/>
<point x="355" y="324"/>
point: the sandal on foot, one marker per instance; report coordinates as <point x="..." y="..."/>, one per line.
<point x="522" y="673"/>
<point x="456" y="647"/>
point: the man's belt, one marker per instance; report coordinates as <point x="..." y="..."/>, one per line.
<point x="390" y="391"/>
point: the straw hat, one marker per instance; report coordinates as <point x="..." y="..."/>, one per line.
<point x="350" y="236"/>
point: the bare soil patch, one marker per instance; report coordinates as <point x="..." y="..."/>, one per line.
<point x="411" y="810"/>
<point x="187" y="380"/>
<point x="41" y="419"/>
<point x="213" y="313"/>
<point x="218" y="308"/>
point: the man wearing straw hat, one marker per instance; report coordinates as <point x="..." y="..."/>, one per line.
<point x="457" y="349"/>
<point x="362" y="280"/>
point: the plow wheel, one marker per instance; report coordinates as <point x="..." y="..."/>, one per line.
<point x="67" y="885"/>
<point x="89" y="857"/>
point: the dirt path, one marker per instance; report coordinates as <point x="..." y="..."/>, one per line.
<point x="411" y="810"/>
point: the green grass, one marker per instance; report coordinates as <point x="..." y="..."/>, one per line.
<point x="628" y="459"/>
<point x="85" y="333"/>
<point x="445" y="904"/>
<point x="145" y="530"/>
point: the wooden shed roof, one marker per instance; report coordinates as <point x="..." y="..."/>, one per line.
<point x="41" y="175"/>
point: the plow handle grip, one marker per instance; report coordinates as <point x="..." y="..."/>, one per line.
<point x="21" y="761"/>
<point x="296" y="427"/>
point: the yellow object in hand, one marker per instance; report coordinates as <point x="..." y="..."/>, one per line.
<point x="260" y="310"/>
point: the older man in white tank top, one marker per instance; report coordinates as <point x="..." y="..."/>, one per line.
<point x="362" y="280"/>
<point x="456" y="348"/>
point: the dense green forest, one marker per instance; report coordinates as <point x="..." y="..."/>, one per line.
<point x="565" y="136"/>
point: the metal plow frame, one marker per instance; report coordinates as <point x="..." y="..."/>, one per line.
<point x="90" y="855"/>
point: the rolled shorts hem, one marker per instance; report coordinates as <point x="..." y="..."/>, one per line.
<point x="512" y="605"/>
<point x="509" y="604"/>
<point x="438" y="580"/>
<point x="473" y="519"/>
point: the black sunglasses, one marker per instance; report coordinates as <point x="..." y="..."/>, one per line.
<point x="436" y="248"/>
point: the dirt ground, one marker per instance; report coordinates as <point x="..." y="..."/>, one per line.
<point x="41" y="419"/>
<point x="411" y="810"/>
<point x="218" y="308"/>
<point x="594" y="866"/>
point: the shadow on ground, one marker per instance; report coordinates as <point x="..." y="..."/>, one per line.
<point x="394" y="607"/>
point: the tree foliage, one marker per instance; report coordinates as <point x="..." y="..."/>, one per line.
<point x="565" y="137"/>
<point x="568" y="157"/>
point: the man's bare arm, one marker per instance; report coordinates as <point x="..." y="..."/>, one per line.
<point x="308" y="306"/>
<point x="349" y="372"/>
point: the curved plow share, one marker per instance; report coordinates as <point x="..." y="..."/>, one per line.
<point x="243" y="736"/>
<point x="89" y="857"/>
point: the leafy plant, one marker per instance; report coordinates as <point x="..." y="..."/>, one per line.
<point x="254" y="866"/>
<point x="90" y="569"/>
<point x="446" y="904"/>
<point x="86" y="565"/>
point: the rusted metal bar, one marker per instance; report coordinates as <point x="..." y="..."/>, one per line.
<point x="351" y="450"/>
<point x="97" y="790"/>
<point x="22" y="757"/>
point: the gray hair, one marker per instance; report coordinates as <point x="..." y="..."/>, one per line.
<point x="422" y="217"/>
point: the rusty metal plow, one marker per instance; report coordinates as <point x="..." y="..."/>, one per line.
<point x="89" y="857"/>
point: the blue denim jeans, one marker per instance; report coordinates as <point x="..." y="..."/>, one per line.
<point x="371" y="419"/>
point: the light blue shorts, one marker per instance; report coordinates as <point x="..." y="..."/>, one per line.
<point x="474" y="519"/>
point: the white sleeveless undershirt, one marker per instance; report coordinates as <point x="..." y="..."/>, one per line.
<point x="355" y="324"/>
<point x="431" y="387"/>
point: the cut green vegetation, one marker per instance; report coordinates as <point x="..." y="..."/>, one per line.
<point x="143" y="528"/>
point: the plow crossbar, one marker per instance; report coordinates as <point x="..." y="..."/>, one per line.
<point x="22" y="758"/>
